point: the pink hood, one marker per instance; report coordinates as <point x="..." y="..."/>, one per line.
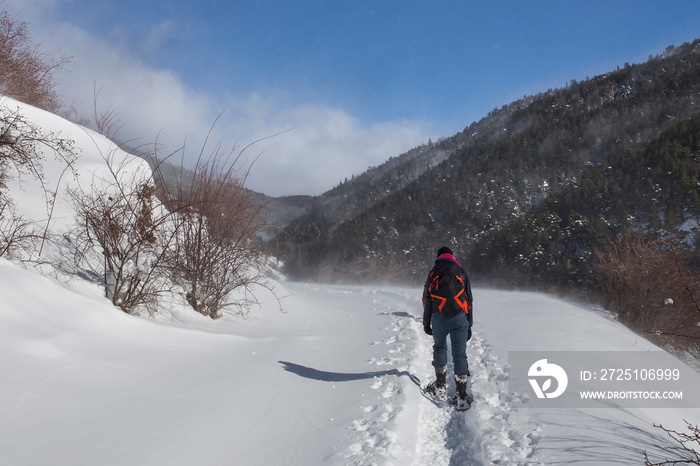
<point x="450" y="257"/>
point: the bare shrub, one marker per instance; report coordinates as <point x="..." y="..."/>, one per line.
<point x="16" y="233"/>
<point x="21" y="153"/>
<point x="107" y="122"/>
<point x="644" y="286"/>
<point x="199" y="235"/>
<point x="687" y="449"/>
<point x="26" y="73"/>
<point x="118" y="220"/>
<point x="215" y="250"/>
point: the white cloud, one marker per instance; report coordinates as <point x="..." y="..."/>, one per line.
<point x="321" y="145"/>
<point x="158" y="36"/>
<point x="148" y="101"/>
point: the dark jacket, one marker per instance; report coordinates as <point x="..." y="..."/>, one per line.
<point x="428" y="301"/>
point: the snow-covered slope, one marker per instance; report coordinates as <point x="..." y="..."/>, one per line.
<point x="91" y="149"/>
<point x="332" y="380"/>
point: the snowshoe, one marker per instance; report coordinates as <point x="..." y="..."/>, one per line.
<point x="462" y="404"/>
<point x="436" y="392"/>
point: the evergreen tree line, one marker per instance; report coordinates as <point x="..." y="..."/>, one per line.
<point x="528" y="193"/>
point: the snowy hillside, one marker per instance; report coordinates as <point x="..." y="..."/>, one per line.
<point x="334" y="379"/>
<point x="92" y="150"/>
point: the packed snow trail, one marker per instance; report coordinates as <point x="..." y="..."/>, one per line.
<point x="493" y="431"/>
<point x="426" y="433"/>
<point x="490" y="432"/>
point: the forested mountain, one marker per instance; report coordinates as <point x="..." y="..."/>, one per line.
<point x="528" y="194"/>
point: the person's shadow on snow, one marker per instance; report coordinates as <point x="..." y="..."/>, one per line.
<point x="325" y="376"/>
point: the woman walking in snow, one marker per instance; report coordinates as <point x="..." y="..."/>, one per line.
<point x="448" y="310"/>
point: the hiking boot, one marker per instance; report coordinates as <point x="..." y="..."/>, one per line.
<point x="438" y="389"/>
<point x="462" y="400"/>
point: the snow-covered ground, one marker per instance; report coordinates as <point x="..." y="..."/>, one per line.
<point x="334" y="379"/>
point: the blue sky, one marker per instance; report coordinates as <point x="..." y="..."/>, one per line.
<point x="355" y="82"/>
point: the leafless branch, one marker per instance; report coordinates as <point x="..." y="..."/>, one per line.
<point x="687" y="449"/>
<point x="107" y="122"/>
<point x="26" y="72"/>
